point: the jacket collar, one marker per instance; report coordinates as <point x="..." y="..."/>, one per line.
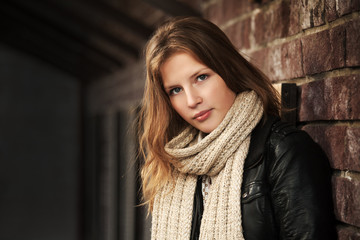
<point x="258" y="139"/>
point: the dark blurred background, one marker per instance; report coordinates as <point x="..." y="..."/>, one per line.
<point x="68" y="157"/>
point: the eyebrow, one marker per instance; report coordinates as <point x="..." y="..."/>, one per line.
<point x="197" y="72"/>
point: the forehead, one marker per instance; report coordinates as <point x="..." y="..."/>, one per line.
<point x="180" y="63"/>
<point x="179" y="68"/>
<point x="175" y="52"/>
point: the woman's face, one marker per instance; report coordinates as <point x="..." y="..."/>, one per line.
<point x="198" y="94"/>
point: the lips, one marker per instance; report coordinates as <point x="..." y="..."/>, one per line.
<point x="203" y="115"/>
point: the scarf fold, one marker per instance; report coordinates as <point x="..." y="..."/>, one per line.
<point x="221" y="155"/>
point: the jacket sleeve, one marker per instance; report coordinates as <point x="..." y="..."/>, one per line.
<point x="300" y="182"/>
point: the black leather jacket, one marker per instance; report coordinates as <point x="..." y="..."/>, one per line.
<point x="286" y="189"/>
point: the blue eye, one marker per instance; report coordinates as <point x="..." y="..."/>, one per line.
<point x="175" y="91"/>
<point x="202" y="77"/>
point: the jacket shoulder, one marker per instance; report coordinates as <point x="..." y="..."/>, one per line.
<point x="282" y="129"/>
<point x="288" y="134"/>
<point x="299" y="175"/>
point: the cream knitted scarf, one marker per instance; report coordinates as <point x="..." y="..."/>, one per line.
<point x="221" y="156"/>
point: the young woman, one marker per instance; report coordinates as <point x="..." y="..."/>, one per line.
<point x="218" y="162"/>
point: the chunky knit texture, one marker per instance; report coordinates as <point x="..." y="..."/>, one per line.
<point x="221" y="155"/>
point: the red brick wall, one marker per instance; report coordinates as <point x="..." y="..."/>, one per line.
<point x="315" y="44"/>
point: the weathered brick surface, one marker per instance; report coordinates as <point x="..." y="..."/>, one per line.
<point x="239" y="33"/>
<point x="214" y="13"/>
<point x="280" y="62"/>
<point x="346" y="192"/>
<point x="353" y="43"/>
<point x="294" y="21"/>
<point x="222" y="11"/>
<point x="312" y="12"/>
<point x="346" y="233"/>
<point x="273" y="23"/>
<point x="346" y="7"/>
<point x="335" y="9"/>
<point x="330" y="10"/>
<point x="285" y="61"/>
<point x="334" y="98"/>
<point x="234" y="8"/>
<point x="340" y="143"/>
<point x="324" y="51"/>
<point x="259" y="58"/>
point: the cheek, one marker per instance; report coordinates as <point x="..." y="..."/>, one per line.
<point x="178" y="106"/>
<point x="230" y="98"/>
<point x="223" y="94"/>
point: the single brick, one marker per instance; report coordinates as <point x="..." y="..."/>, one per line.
<point x="272" y="23"/>
<point x="259" y="59"/>
<point x="346" y="7"/>
<point x="348" y="232"/>
<point x="334" y="98"/>
<point x="346" y="193"/>
<point x="312" y="12"/>
<point x="285" y="61"/>
<point x="280" y="62"/>
<point x="324" y="50"/>
<point x="294" y="19"/>
<point x="340" y="143"/>
<point x="281" y="17"/>
<point x="239" y="34"/>
<point x="330" y="10"/>
<point x="353" y="43"/>
<point x="234" y="8"/>
<point x="260" y="31"/>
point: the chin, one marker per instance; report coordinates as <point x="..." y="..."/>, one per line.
<point x="206" y="129"/>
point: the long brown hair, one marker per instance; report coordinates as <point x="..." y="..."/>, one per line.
<point x="158" y="120"/>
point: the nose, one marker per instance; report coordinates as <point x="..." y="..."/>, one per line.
<point x="193" y="98"/>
